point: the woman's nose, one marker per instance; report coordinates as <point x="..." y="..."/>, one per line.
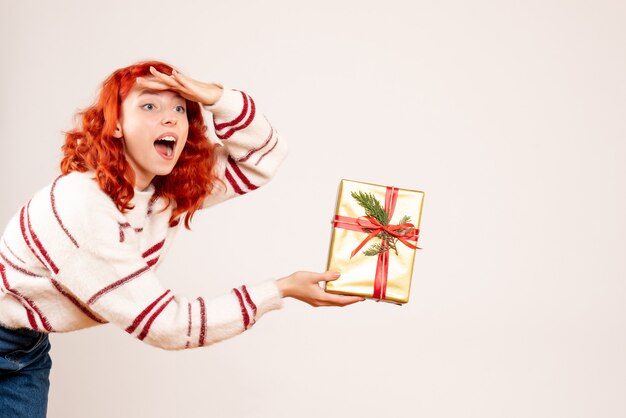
<point x="169" y="119"/>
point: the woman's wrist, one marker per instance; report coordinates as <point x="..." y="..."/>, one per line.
<point x="283" y="287"/>
<point x="213" y="94"/>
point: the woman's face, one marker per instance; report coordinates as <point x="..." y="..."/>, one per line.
<point x="154" y="128"/>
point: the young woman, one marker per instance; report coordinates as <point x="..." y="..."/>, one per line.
<point x="84" y="250"/>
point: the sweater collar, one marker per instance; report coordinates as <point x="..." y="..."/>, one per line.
<point x="144" y="194"/>
<point x="141" y="202"/>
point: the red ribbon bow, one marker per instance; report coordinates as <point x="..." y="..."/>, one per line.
<point x="372" y="224"/>
<point x="403" y="232"/>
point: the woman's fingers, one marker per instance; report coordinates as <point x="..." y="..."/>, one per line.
<point x="161" y="81"/>
<point x="205" y="93"/>
<point x="341" y="300"/>
<point x="188" y="84"/>
<point x="326" y="276"/>
<point x="182" y="79"/>
<point x="330" y="299"/>
<point x="187" y="87"/>
<point x="167" y="79"/>
<point x="329" y="276"/>
<point x="153" y="84"/>
<point x="304" y="286"/>
<point x="159" y="85"/>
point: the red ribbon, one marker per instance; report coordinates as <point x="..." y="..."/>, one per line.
<point x="403" y="232"/>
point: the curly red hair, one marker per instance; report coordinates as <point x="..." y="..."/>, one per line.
<point x="91" y="146"/>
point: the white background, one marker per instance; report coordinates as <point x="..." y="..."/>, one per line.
<point x="510" y="115"/>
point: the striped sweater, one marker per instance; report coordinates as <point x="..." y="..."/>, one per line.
<point x="69" y="259"/>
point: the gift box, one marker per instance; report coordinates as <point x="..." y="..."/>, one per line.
<point x="374" y="240"/>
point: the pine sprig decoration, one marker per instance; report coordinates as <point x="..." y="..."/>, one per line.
<point x="374" y="209"/>
<point x="372" y="206"/>
<point x="374" y="249"/>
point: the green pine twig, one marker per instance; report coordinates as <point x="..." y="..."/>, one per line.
<point x="376" y="210"/>
<point x="374" y="249"/>
<point x="372" y="206"/>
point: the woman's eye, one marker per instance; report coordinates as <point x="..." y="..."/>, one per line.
<point x="148" y="106"/>
<point x="180" y="109"/>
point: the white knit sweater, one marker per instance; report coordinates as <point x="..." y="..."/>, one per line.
<point x="69" y="259"/>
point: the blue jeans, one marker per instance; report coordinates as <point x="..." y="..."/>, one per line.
<point x="24" y="370"/>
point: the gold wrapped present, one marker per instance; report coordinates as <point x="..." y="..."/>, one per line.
<point x="374" y="241"/>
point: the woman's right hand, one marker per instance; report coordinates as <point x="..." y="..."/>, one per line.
<point x="304" y="286"/>
<point x="187" y="87"/>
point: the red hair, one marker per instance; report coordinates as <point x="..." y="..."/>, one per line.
<point x="91" y="146"/>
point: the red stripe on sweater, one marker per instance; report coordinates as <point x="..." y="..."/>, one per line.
<point x="76" y="302"/>
<point x="248" y="121"/>
<point x="244" y="311"/>
<point x="146" y="328"/>
<point x="202" y="322"/>
<point x="145" y="312"/>
<point x="125" y="225"/>
<point x="239" y="118"/>
<point x="232" y="182"/>
<point x="156" y="247"/>
<point x="188" y="319"/>
<point x="122" y="227"/>
<point x="38" y="243"/>
<point x="29" y="314"/>
<point x="56" y="214"/>
<point x="151" y="203"/>
<point x="30" y="303"/>
<point x="25" y="236"/>
<point x="241" y="175"/>
<point x="152" y="262"/>
<point x="249" y="299"/>
<point x="188" y="343"/>
<point x="6" y="244"/>
<point x="41" y="316"/>
<point x="252" y="151"/>
<point x="267" y="152"/>
<point x="16" y="267"/>
<point x="116" y="284"/>
<point x="5" y="281"/>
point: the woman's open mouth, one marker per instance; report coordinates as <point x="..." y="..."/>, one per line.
<point x="165" y="146"/>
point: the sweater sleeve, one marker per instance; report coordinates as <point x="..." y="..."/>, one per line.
<point x="249" y="149"/>
<point x="77" y="237"/>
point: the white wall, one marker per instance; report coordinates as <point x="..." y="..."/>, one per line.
<point x="510" y="115"/>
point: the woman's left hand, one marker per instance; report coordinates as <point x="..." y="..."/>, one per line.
<point x="190" y="89"/>
<point x="304" y="286"/>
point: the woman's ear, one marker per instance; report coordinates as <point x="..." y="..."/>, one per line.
<point x="117" y="133"/>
